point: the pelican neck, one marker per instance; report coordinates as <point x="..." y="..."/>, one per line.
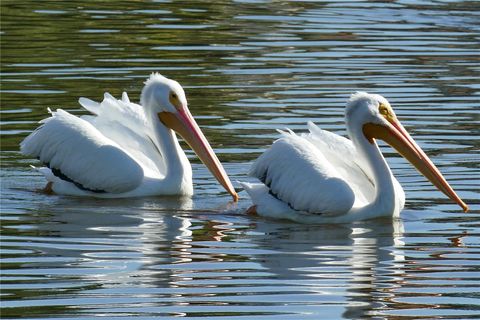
<point x="176" y="162"/>
<point x="384" y="201"/>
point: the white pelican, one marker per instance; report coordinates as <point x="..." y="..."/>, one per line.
<point x="124" y="149"/>
<point x="323" y="177"/>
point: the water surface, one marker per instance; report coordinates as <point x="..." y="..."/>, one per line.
<point x="249" y="67"/>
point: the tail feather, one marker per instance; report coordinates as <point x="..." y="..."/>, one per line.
<point x="90" y="105"/>
<point x="125" y="97"/>
<point x="48" y="174"/>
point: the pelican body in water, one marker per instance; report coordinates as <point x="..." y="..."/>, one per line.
<point x="124" y="149"/>
<point x="323" y="177"/>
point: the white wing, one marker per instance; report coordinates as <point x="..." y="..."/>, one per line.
<point x="125" y="123"/>
<point x="313" y="172"/>
<point x="76" y="150"/>
<point x="110" y="109"/>
<point x="350" y="165"/>
<point x="299" y="174"/>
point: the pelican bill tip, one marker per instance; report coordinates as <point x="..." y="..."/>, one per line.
<point x="235" y="197"/>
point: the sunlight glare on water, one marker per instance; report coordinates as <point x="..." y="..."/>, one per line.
<point x="248" y="67"/>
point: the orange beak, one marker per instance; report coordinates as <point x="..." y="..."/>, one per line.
<point x="396" y="136"/>
<point x="184" y="124"/>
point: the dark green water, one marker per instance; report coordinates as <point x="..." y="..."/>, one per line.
<point x="248" y="67"/>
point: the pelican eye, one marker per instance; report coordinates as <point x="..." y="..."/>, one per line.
<point x="386" y="111"/>
<point x="383" y="109"/>
<point x="173" y="97"/>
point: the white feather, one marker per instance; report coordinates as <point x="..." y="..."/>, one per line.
<point x="125" y="123"/>
<point x="298" y="173"/>
<point x="349" y="164"/>
<point x="266" y="203"/>
<point x="123" y="111"/>
<point x="76" y="148"/>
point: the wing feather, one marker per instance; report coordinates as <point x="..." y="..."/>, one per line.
<point x="125" y="123"/>
<point x="297" y="173"/>
<point x="83" y="154"/>
<point x="350" y="165"/>
<point x="123" y="111"/>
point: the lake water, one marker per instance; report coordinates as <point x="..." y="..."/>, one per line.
<point x="248" y="67"/>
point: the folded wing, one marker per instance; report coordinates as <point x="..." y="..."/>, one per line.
<point x="349" y="164"/>
<point x="125" y="123"/>
<point x="78" y="152"/>
<point x="313" y="172"/>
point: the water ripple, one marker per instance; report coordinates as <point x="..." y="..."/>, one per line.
<point x="249" y="67"/>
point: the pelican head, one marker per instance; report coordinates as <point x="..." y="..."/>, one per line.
<point x="163" y="94"/>
<point x="378" y="121"/>
<point x="166" y="99"/>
